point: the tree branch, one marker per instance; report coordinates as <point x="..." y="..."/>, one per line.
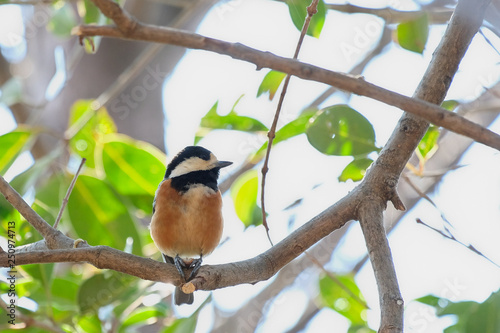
<point x="381" y="180"/>
<point x="252" y="271"/>
<point x="391" y="15"/>
<point x="391" y="302"/>
<point x="421" y="108"/>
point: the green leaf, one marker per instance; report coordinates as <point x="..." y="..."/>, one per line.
<point x="231" y="121"/>
<point x="12" y="144"/>
<point x="244" y="193"/>
<point x="412" y="35"/>
<point x="342" y="131"/>
<point x="450" y="105"/>
<point x="103" y="289"/>
<point x="356" y="169"/>
<point x="132" y="167"/>
<point x="100" y="217"/>
<point x="295" y="127"/>
<point x="360" y="329"/>
<point x="271" y="83"/>
<point x="90" y="323"/>
<point x="22" y="182"/>
<point x="182" y="325"/>
<point x="335" y="296"/>
<point x="64" y="293"/>
<point x="91" y="128"/>
<point x="91" y="15"/>
<point x="49" y="196"/>
<point x="63" y="20"/>
<point x="298" y="13"/>
<point x="11" y="91"/>
<point x="142" y="314"/>
<point x="429" y="141"/>
<point x="471" y="316"/>
<point x="429" y="300"/>
<point x="44" y="275"/>
<point x="27" y="179"/>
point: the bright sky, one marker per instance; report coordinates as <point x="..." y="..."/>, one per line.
<point x="425" y="263"/>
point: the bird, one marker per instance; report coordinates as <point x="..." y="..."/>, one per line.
<point x="187" y="222"/>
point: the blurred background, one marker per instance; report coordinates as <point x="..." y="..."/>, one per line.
<point x="128" y="107"/>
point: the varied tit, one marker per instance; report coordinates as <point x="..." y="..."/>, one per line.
<point x="187" y="217"/>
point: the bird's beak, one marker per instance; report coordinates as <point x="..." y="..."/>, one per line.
<point x="223" y="164"/>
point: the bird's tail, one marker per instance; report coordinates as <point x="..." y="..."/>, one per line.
<point x="181" y="297"/>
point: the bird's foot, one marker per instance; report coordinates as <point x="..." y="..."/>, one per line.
<point x="180" y="265"/>
<point x="195" y="265"/>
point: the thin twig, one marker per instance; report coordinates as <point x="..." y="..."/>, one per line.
<point x="425" y="196"/>
<point x="450" y="236"/>
<point x="68" y="193"/>
<point x="311" y="10"/>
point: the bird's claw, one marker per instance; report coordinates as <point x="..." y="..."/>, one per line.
<point x="194" y="265"/>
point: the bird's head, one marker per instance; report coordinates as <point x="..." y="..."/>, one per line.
<point x="194" y="159"/>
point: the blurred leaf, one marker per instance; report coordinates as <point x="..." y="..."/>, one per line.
<point x="295" y="127"/>
<point x="337" y="298"/>
<point x="12" y="144"/>
<point x="412" y="35"/>
<point x="93" y="127"/>
<point x="244" y="193"/>
<point x="231" y="121"/>
<point x="128" y="300"/>
<point x="91" y="15"/>
<point x="271" y="83"/>
<point x="103" y="289"/>
<point x="450" y="105"/>
<point x="132" y="167"/>
<point x="49" y="196"/>
<point x="360" y="329"/>
<point x="429" y="300"/>
<point x="142" y="314"/>
<point x="43" y="274"/>
<point x="340" y="130"/>
<point x="90" y="323"/>
<point x="63" y="20"/>
<point x="11" y="91"/>
<point x="356" y="169"/>
<point x="182" y="325"/>
<point x="91" y="44"/>
<point x="99" y="216"/>
<point x="22" y="182"/>
<point x="429" y="141"/>
<point x="471" y="316"/>
<point x="298" y="13"/>
<point x="64" y="293"/>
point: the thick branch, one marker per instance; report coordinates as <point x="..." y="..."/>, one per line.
<point x="253" y="270"/>
<point x="426" y="110"/>
<point x="385" y="172"/>
<point x="209" y="277"/>
<point x="102" y="257"/>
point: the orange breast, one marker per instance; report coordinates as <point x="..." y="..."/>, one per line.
<point x="188" y="225"/>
